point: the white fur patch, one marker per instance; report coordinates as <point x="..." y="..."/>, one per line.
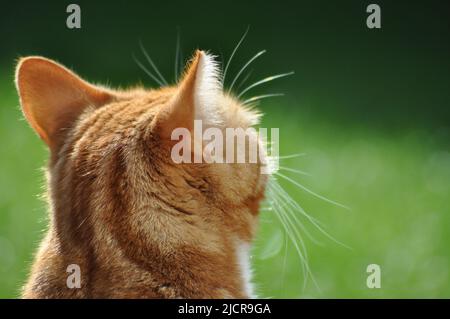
<point x="208" y="88"/>
<point x="243" y="257"/>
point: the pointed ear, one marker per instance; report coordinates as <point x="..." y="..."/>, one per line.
<point x="53" y="97"/>
<point x="196" y="97"/>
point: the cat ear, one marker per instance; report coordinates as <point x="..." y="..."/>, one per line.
<point x="196" y="97"/>
<point x="52" y="97"/>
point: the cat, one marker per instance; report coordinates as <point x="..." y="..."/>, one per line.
<point x="137" y="224"/>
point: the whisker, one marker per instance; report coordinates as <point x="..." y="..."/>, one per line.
<point x="277" y="200"/>
<point x="289" y="208"/>
<point x="252" y="105"/>
<point x="257" y="55"/>
<point x="295" y="205"/>
<point x="244" y="79"/>
<point x="288" y="230"/>
<point x="150" y="74"/>
<point x="294" y="170"/>
<point x="311" y="192"/>
<point x="313" y="221"/>
<point x="265" y="80"/>
<point x="151" y="63"/>
<point x="291" y="156"/>
<point x="296" y="238"/>
<point x="177" y="56"/>
<point x="260" y="97"/>
<point x="309" y="272"/>
<point x="233" y="53"/>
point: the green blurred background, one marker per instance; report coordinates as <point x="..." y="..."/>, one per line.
<point x="370" y="108"/>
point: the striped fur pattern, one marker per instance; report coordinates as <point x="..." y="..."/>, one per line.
<point x="137" y="224"/>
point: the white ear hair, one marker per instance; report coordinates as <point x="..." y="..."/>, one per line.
<point x="208" y="88"/>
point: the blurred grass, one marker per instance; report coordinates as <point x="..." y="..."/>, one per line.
<point x="397" y="184"/>
<point x="22" y="213"/>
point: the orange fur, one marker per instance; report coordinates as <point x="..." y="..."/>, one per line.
<point x="137" y="224"/>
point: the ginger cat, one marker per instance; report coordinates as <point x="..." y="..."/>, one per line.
<point x="138" y="224"/>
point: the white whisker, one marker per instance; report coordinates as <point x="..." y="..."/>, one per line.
<point x="295" y="237"/>
<point x="257" y="55"/>
<point x="246" y="77"/>
<point x="294" y="170"/>
<point x="265" y="80"/>
<point x="177" y="56"/>
<point x="311" y="192"/>
<point x="313" y="221"/>
<point x="260" y="97"/>
<point x="287" y="228"/>
<point x="292" y="156"/>
<point x="290" y="208"/>
<point x="152" y="64"/>
<point x="150" y="74"/>
<point x="233" y="53"/>
<point x="295" y="205"/>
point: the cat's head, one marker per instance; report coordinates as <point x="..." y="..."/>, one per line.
<point x="112" y="152"/>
